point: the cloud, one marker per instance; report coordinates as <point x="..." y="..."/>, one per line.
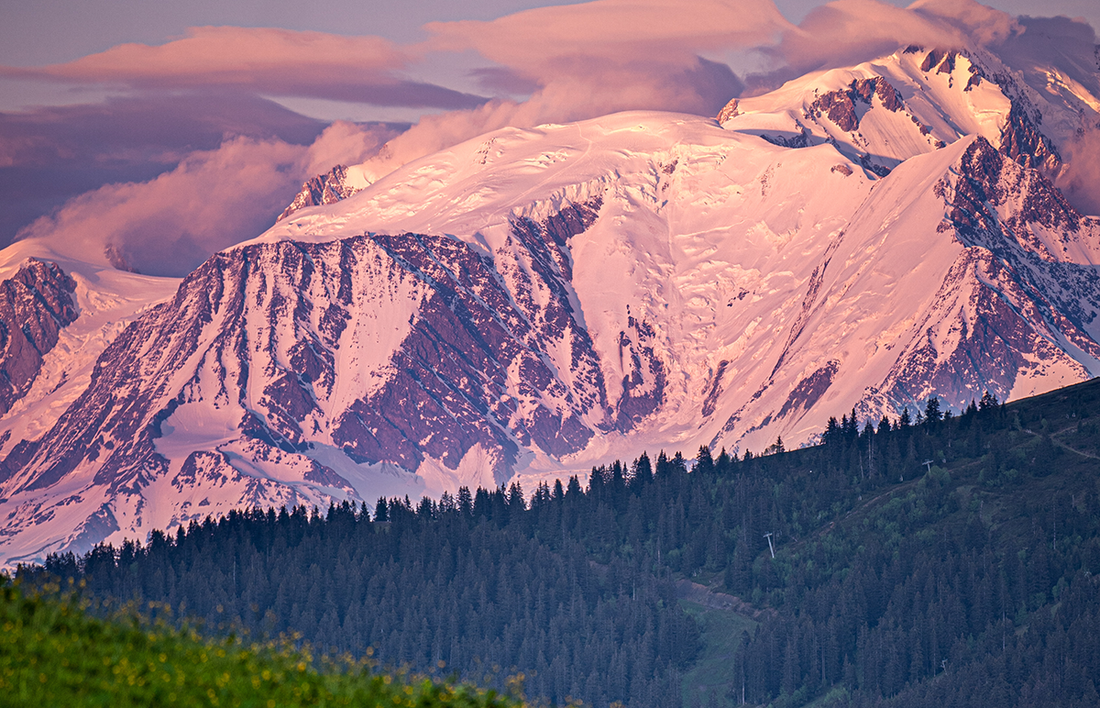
<point x="550" y="39"/>
<point x="848" y="32"/>
<point x="49" y="155"/>
<point x="979" y="24"/>
<point x="1067" y="44"/>
<point x="170" y="224"/>
<point x="211" y="200"/>
<point x="143" y="126"/>
<point x="348" y="144"/>
<point x="269" y="61"/>
<point x="1080" y="180"/>
<point x="586" y="60"/>
<point x="579" y="61"/>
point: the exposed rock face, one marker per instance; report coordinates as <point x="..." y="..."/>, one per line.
<point x="801" y="140"/>
<point x="728" y="111"/>
<point x="34" y="305"/>
<point x="283" y="342"/>
<point x="328" y="188"/>
<point x="1016" y="292"/>
<point x="987" y="181"/>
<point x="1020" y="137"/>
<point x="942" y="60"/>
<point x="840" y="106"/>
<point x="1023" y="142"/>
<point x="450" y="386"/>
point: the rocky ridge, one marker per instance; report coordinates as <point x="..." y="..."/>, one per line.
<point x="319" y="190"/>
<point x="884" y="112"/>
<point x="34" y="305"/>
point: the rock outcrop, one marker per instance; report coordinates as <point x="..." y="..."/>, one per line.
<point x="328" y="188"/>
<point x="34" y="305"/>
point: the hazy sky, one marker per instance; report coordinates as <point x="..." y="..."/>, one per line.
<point x="167" y="130"/>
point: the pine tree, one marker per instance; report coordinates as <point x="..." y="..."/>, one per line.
<point x="776" y="447"/>
<point x="932" y="411"/>
<point x="704" y="463"/>
<point x="642" y="472"/>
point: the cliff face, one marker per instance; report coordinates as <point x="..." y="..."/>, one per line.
<point x="34" y="305"/>
<point x="376" y="349"/>
<point x="328" y="188"/>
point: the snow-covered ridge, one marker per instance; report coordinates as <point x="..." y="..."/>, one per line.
<point x="883" y="112"/>
<point x="103" y="301"/>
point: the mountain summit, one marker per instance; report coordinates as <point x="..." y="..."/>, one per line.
<point x="533" y="302"/>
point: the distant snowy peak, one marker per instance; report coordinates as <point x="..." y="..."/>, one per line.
<point x="329" y="188"/>
<point x="884" y="112"/>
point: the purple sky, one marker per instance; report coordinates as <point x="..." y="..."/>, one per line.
<point x="173" y="97"/>
<point x="56" y="31"/>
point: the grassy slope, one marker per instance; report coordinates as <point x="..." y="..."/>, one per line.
<point x="705" y="684"/>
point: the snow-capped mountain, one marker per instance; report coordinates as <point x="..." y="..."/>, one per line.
<point x="538" y="301"/>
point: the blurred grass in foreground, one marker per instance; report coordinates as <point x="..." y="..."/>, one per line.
<point x="53" y="653"/>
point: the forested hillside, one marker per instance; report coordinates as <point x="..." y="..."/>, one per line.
<point x="948" y="560"/>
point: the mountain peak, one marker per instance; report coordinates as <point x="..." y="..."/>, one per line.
<point x="328" y="188"/>
<point x="883" y="112"/>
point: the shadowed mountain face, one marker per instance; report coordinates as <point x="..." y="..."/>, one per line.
<point x="34" y="305"/>
<point x="539" y="301"/>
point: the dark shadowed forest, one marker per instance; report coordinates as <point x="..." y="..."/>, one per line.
<point x="949" y="560"/>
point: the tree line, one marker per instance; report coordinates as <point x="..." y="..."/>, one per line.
<point x="949" y="558"/>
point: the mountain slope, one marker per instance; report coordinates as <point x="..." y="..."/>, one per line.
<point x="34" y="305"/>
<point x="537" y="301"/>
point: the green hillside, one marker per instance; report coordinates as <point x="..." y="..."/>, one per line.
<point x="945" y="559"/>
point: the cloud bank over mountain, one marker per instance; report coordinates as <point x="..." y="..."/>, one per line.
<point x="191" y="110"/>
<point x="211" y="200"/>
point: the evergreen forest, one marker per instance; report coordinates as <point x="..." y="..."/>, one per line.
<point x="944" y="559"/>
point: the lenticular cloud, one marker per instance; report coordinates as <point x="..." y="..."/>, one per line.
<point x="266" y="61"/>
